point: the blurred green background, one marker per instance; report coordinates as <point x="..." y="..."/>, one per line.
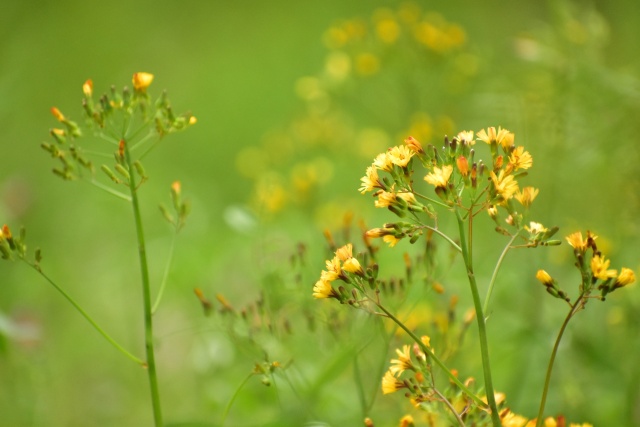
<point x="283" y="135"/>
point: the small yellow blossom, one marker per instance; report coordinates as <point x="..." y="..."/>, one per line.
<point x="57" y="114"/>
<point x="407" y="421"/>
<point x="323" y="289"/>
<point x="599" y="268"/>
<point x="492" y="211"/>
<point x="333" y="270"/>
<point x="466" y="137"/>
<point x="390" y="383"/>
<point x="576" y="241"/>
<point x="378" y="232"/>
<point x="410" y="198"/>
<point x="370" y="180"/>
<point x="509" y="419"/>
<point x="367" y="64"/>
<point x="520" y="159"/>
<point x="400" y="155"/>
<point x="502" y="136"/>
<point x="345" y="252"/>
<point x="387" y="30"/>
<point x="506" y="186"/>
<point x="403" y="362"/>
<point x="626" y="277"/>
<point x="383" y="162"/>
<point x="141" y="81"/>
<point x="193" y="120"/>
<point x="439" y="177"/>
<point x="352" y="265"/>
<point x="544" y="278"/>
<point x="527" y="196"/>
<point x="463" y="165"/>
<point x="87" y="88"/>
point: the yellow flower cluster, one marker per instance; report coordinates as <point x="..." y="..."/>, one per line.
<point x="336" y="268"/>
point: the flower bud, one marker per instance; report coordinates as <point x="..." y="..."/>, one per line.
<point x="87" y="88"/>
<point x="141" y="81"/>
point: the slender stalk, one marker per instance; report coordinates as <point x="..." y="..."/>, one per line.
<point x="233" y="398"/>
<point x="163" y="285"/>
<point x="450" y="406"/>
<point x="444" y="236"/>
<point x="435" y="358"/>
<point x="110" y="190"/>
<point x="485" y="308"/>
<point x="146" y="296"/>
<point x="86" y="315"/>
<point x="482" y="330"/>
<point x="574" y="309"/>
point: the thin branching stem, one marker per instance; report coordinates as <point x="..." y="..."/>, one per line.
<point x="110" y="190"/>
<point x="485" y="308"/>
<point x="545" y="390"/>
<point x="86" y="315"/>
<point x="165" y="276"/>
<point x="233" y="398"/>
<point x="450" y="406"/>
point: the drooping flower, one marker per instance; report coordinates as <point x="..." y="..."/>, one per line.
<point x="390" y="239"/>
<point x="440" y="176"/>
<point x="626" y="277"/>
<point x="370" y="180"/>
<point x="599" y="268"/>
<point x="390" y="383"/>
<point x="385" y="199"/>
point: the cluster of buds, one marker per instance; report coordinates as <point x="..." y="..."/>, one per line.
<point x="14" y="246"/>
<point x="594" y="270"/>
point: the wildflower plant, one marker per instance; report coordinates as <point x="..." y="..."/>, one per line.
<point x="129" y="125"/>
<point x="419" y="184"/>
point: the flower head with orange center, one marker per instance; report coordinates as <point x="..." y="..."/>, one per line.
<point x="403" y="362"/>
<point x="440" y="176"/>
<point x="400" y="155"/>
<point x="506" y="186"/>
<point x="599" y="268"/>
<point x="141" y="81"/>
<point x="390" y="383"/>
<point x="520" y="159"/>
<point x="370" y="180"/>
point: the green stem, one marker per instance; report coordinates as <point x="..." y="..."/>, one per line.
<point x="482" y="330"/>
<point x="146" y="296"/>
<point x="450" y="406"/>
<point x="86" y="315"/>
<point x="444" y="236"/>
<point x="110" y="190"/>
<point x="574" y="309"/>
<point x="233" y="398"/>
<point x="165" y="275"/>
<point x="495" y="272"/>
<point x="438" y="362"/>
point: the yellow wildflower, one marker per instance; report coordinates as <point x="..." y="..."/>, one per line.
<point x="385" y="199"/>
<point x="383" y="162"/>
<point x="87" y="88"/>
<point x="439" y="177"/>
<point x="141" y="81"/>
<point x="520" y="159"/>
<point x="370" y="180"/>
<point x="576" y="242"/>
<point x="463" y="165"/>
<point x="599" y="268"/>
<point x="400" y="155"/>
<point x="333" y="270"/>
<point x="403" y="362"/>
<point x="390" y="239"/>
<point x="323" y="289"/>
<point x="626" y="277"/>
<point x="407" y="421"/>
<point x="506" y="186"/>
<point x="390" y="383"/>
<point x="378" y="232"/>
<point x="466" y="137"/>
<point x="535" y="228"/>
<point x="353" y="266"/>
<point x="492" y="211"/>
<point x="527" y="196"/>
<point x="509" y="419"/>
<point x="345" y="252"/>
<point x="502" y="136"/>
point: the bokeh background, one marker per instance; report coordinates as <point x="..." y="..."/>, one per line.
<point x="293" y="100"/>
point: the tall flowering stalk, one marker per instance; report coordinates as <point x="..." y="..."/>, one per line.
<point x="458" y="183"/>
<point x="133" y="125"/>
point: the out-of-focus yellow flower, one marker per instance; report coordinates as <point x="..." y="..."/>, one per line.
<point x="403" y="362"/>
<point x="337" y="66"/>
<point x="141" y="81"/>
<point x="385" y="199"/>
<point x="345" y="252"/>
<point x="335" y="37"/>
<point x="526" y="196"/>
<point x="626" y="277"/>
<point x="414" y="145"/>
<point x="407" y="421"/>
<point x="580" y="425"/>
<point x="466" y="137"/>
<point x="509" y="419"/>
<point x="388" y="30"/>
<point x="400" y="155"/>
<point x="87" y="88"/>
<point x="463" y="165"/>
<point x="599" y="268"/>
<point x="506" y="186"/>
<point x="367" y="64"/>
<point x="440" y="176"/>
<point x="370" y="180"/>
<point x="390" y="239"/>
<point x="520" y="159"/>
<point x="390" y="383"/>
<point x="535" y="228"/>
<point x="57" y="114"/>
